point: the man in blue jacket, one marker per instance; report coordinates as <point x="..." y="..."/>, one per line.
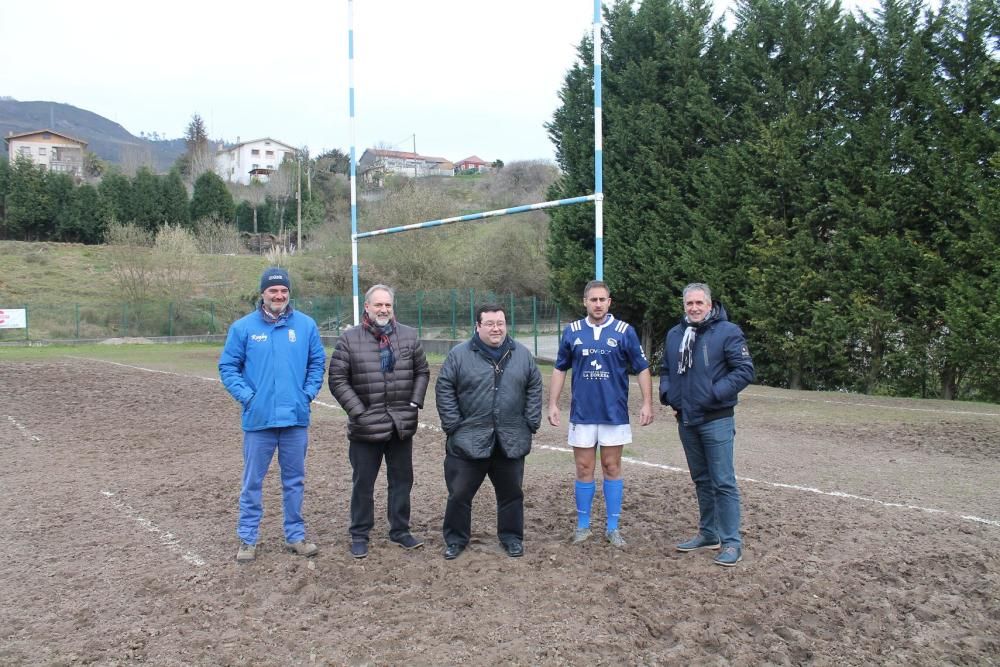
<point x="273" y="364"/>
<point x="706" y="364"/>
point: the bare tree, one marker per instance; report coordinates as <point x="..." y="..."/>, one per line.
<point x="131" y="263"/>
<point x="133" y="158"/>
<point x="254" y="194"/>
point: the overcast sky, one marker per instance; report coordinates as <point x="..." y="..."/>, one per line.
<point x="464" y="76"/>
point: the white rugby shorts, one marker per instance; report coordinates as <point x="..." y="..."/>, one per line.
<point x="606" y="435"/>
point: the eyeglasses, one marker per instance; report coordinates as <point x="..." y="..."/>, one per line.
<point x="491" y="325"/>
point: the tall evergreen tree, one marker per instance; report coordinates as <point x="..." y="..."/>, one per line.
<point x="147" y="200"/>
<point x="29" y="207"/>
<point x="174" y="199"/>
<point x="116" y="192"/>
<point x="211" y="198"/>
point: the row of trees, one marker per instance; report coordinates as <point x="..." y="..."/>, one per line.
<point x="36" y="205"/>
<point x="39" y="205"/>
<point x="834" y="179"/>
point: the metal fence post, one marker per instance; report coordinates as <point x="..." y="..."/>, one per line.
<point x="26" y="329"/>
<point x="534" y="320"/>
<point x="513" y="317"/>
<point x="472" y="308"/>
<point x="124" y="320"/>
<point x="420" y="314"/>
<point x="170" y="319"/>
<point x="77" y="317"/>
<point x="211" y="314"/>
<point x="454" y="315"/>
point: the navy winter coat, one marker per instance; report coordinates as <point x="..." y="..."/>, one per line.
<point x="722" y="368"/>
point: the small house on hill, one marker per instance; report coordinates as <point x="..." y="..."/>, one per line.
<point x="252" y="160"/>
<point x="375" y="164"/>
<point x="49" y="149"/>
<point x="472" y="163"/>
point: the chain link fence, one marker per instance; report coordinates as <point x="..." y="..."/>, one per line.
<point x="441" y="314"/>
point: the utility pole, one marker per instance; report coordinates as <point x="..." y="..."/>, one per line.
<point x="298" y="204"/>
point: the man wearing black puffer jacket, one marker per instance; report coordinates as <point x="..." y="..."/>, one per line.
<point x="489" y="399"/>
<point x="379" y="375"/>
<point x="706" y="364"/>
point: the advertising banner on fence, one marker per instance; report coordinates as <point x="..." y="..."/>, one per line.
<point x="13" y="318"/>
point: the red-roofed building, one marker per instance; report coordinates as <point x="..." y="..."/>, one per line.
<point x="376" y="163"/>
<point x="472" y="163"/>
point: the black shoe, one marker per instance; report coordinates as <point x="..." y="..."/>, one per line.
<point x="359" y="549"/>
<point x="407" y="541"/>
<point x="514" y="548"/>
<point x="453" y="550"/>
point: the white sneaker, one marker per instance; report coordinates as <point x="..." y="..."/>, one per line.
<point x="615" y="538"/>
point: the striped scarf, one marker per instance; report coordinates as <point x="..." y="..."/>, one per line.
<point x="690" y="335"/>
<point x="386" y="357"/>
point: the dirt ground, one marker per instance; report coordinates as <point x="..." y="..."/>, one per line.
<point x="872" y="534"/>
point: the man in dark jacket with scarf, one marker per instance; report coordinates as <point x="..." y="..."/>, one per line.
<point x="379" y="375"/>
<point x="706" y="364"/>
<point x="489" y="399"/>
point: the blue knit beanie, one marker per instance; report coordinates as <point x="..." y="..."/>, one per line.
<point x="274" y="275"/>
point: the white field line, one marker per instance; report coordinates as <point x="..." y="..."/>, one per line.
<point x="23" y="429"/>
<point x="777" y="485"/>
<point x="180" y="375"/>
<point x="874" y="405"/>
<point x="167" y="539"/>
<point x="856" y="404"/>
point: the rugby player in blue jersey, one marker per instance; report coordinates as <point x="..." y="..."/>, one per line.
<point x="601" y="350"/>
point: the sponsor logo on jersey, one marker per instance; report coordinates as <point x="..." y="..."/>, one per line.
<point x="258" y="338"/>
<point x="291" y="335"/>
<point x="596" y="372"/>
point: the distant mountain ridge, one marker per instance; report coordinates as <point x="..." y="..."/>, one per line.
<point x="107" y="139"/>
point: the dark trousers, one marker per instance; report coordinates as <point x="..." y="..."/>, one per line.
<point x="366" y="459"/>
<point x="464" y="477"/>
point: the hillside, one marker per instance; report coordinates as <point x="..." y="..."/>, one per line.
<point x="107" y="139"/>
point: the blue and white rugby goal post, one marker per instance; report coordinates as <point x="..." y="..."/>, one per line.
<point x="597" y="197"/>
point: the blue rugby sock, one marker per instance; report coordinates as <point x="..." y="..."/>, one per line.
<point x="613" y="490"/>
<point x="584" y="492"/>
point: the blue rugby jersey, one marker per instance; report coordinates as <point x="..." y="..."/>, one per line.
<point x="600" y="357"/>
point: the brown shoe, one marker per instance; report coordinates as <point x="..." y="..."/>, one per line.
<point x="247" y="553"/>
<point x="302" y="548"/>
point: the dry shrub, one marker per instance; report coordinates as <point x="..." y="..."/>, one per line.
<point x="217" y="237"/>
<point x="174" y="252"/>
<point x="131" y="261"/>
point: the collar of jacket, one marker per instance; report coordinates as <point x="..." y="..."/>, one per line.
<point x="497" y="356"/>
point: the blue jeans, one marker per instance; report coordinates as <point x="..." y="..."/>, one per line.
<point x="709" y="451"/>
<point x="258" y="450"/>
